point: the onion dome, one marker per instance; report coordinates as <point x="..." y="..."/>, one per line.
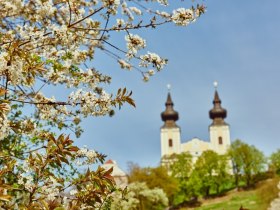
<point x="217" y="113"/>
<point x="169" y="116"/>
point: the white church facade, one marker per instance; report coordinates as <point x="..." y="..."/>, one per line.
<point x="219" y="132"/>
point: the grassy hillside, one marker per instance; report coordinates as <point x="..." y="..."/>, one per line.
<point x="256" y="199"/>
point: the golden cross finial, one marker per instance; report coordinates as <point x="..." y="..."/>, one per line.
<point x="215" y="83"/>
<point x="168" y="87"/>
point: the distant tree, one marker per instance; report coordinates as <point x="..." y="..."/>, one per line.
<point x="189" y="189"/>
<point x="237" y="161"/>
<point x="154" y="178"/>
<point x="212" y="169"/>
<point x="139" y="197"/>
<point x="180" y="167"/>
<point x="247" y="160"/>
<point x="222" y="175"/>
<point x="275" y="161"/>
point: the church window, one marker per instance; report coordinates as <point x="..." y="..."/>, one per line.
<point x="170" y="143"/>
<point x="220" y="140"/>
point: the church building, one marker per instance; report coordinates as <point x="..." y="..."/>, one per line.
<point x="219" y="132"/>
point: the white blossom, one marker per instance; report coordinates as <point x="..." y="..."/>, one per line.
<point x="112" y="5"/>
<point x="124" y="64"/>
<point x="21" y="181"/>
<point x="146" y="78"/>
<point x="73" y="192"/>
<point x="90" y="103"/>
<point x="120" y="22"/>
<point x="136" y="10"/>
<point x="163" y="2"/>
<point x="135" y="190"/>
<point x="4" y="122"/>
<point x="163" y="14"/>
<point x="134" y="43"/>
<point x="154" y="60"/>
<point x="182" y="16"/>
<point x="50" y="189"/>
<point x="151" y="72"/>
<point x="87" y="156"/>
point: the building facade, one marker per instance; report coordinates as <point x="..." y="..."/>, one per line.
<point x="219" y="132"/>
<point x="119" y="175"/>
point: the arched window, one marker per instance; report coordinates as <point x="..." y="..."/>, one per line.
<point x="220" y="140"/>
<point x="170" y="142"/>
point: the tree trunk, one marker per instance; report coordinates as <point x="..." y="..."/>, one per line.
<point x="217" y="188"/>
<point x="248" y="180"/>
<point x="236" y="181"/>
<point x="207" y="191"/>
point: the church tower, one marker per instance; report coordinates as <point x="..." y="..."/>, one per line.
<point x="219" y="129"/>
<point x="170" y="132"/>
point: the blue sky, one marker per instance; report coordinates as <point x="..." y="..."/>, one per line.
<point x="236" y="43"/>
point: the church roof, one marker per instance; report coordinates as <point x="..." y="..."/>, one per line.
<point x="117" y="172"/>
<point x="169" y="116"/>
<point x="109" y="162"/>
<point x="217" y="113"/>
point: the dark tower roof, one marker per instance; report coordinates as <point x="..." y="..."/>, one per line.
<point x="217" y="113"/>
<point x="169" y="116"/>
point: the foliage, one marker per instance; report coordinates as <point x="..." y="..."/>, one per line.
<point x="40" y="180"/>
<point x="254" y="199"/>
<point x="247" y="160"/>
<point x="139" y="197"/>
<point x="154" y="178"/>
<point x="248" y="200"/>
<point x="209" y="173"/>
<point x="275" y="161"/>
<point x="236" y="158"/>
<point x="180" y="165"/>
<point x="212" y="169"/>
<point x="48" y="45"/>
<point x="210" y="177"/>
<point x="268" y="193"/>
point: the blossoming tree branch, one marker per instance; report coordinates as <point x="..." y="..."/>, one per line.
<point x="49" y="44"/>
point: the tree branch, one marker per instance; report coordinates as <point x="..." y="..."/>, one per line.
<point x="94" y="12"/>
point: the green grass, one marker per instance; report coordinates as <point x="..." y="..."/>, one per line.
<point x="247" y="199"/>
<point x="256" y="199"/>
